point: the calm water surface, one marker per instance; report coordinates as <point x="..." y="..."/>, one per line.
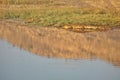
<point x="18" y="64"/>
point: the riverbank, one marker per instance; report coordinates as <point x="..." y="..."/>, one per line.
<point x="59" y="13"/>
<point x="61" y="43"/>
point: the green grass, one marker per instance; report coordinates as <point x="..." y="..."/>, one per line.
<point x="56" y="15"/>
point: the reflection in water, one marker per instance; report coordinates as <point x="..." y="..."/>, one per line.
<point x="18" y="64"/>
<point x="59" y="43"/>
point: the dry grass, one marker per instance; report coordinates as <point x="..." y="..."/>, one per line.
<point x="58" y="13"/>
<point x="59" y="43"/>
<point x="77" y="3"/>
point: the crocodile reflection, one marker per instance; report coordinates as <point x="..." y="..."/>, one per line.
<point x="59" y="43"/>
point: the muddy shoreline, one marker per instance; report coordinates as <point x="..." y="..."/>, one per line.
<point x="60" y="43"/>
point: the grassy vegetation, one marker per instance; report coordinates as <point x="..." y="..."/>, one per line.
<point x="58" y="13"/>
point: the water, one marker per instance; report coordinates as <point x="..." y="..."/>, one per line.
<point x="18" y="64"/>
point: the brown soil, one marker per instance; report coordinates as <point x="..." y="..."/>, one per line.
<point x="60" y="43"/>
